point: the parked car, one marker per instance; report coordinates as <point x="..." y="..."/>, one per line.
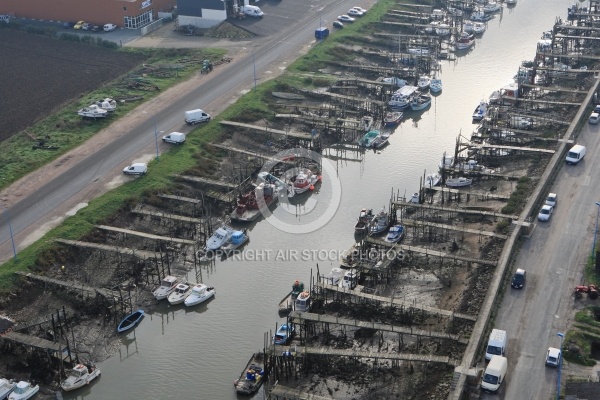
<point x="338" y="24"/>
<point x="68" y="25"/>
<point x="355" y="13"/>
<point x="545" y="213"/>
<point x="553" y="357"/>
<point x="362" y="10"/>
<point x="345" y="18"/>
<point x="594" y="118"/>
<point x="136" y="169"/>
<point x="109" y="27"/>
<point x="78" y="25"/>
<point x="96" y="28"/>
<point x="87" y="26"/>
<point x="552" y="199"/>
<point x="518" y="280"/>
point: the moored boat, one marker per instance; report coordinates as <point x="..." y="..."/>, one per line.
<point x="480" y="111"/>
<point x="284" y="334"/>
<point x="252" y="376"/>
<point x="381" y="140"/>
<point x="466" y="41"/>
<point x="167" y="285"/>
<point x="23" y="391"/>
<point x="423" y="82"/>
<point x="282" y="187"/>
<point x="130" y="320"/>
<point x="237" y="239"/>
<point x="368" y="138"/>
<point x="302" y="302"/>
<point x="432" y="180"/>
<point x="459" y="182"/>
<point x="401" y="97"/>
<point x="366" y="123"/>
<point x="435" y="86"/>
<point x="392" y="118"/>
<point x="364" y="221"/>
<point x="478" y="28"/>
<point x="334" y="276"/>
<point x="395" y="234"/>
<point x="380" y="223"/>
<point x="180" y="293"/>
<point x="420" y="102"/>
<point x="199" y="294"/>
<point x="79" y="376"/>
<point x="287" y="303"/>
<point x="305" y="180"/>
<point x="491" y="7"/>
<point x="249" y="205"/>
<point x="219" y="238"/>
<point x="6" y="386"/>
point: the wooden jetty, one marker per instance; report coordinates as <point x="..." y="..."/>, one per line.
<point x="429" y="252"/>
<point x="145" y="235"/>
<point x="330" y="351"/>
<point x="411" y="222"/>
<point x="34" y="341"/>
<point x="141" y="254"/>
<point x="76" y="286"/>
<point x="458" y="210"/>
<point x="174" y="217"/>
<point x="399" y="302"/>
<point x="266" y="129"/>
<point x="286" y="304"/>
<point x="299" y="317"/>
<point x="515" y="148"/>
<point x="180" y="198"/>
<point x="206" y="181"/>
<point x="287" y="393"/>
<point x="478" y="195"/>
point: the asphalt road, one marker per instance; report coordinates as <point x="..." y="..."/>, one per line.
<point x="36" y="213"/>
<point x="554" y="259"/>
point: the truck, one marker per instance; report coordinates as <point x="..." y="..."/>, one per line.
<point x="193" y="117"/>
<point x="174" y="137"/>
<point x="494" y="374"/>
<point x="321" y="33"/>
<point x="496" y="344"/>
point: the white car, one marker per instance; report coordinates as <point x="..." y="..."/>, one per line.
<point x="553" y="357"/>
<point x="551" y="200"/>
<point x="136" y="169"/>
<point x="355" y="13"/>
<point x="594" y="118"/>
<point x="545" y="212"/>
<point x="362" y="10"/>
<point x="109" y="27"/>
<point x="345" y="18"/>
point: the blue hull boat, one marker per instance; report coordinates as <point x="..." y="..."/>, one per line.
<point x="130" y="321"/>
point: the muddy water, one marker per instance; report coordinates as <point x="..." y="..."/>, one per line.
<point x="198" y="352"/>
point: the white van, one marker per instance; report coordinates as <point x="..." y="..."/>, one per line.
<point x="136" y="169"/>
<point x="496" y="344"/>
<point x="174" y="137"/>
<point x="494" y="374"/>
<point x="576" y="154"/>
<point x="195" y="116"/>
<point x="252" y="11"/>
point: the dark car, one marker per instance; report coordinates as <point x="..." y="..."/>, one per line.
<point x="518" y="280"/>
<point x="338" y="24"/>
<point x="68" y="25"/>
<point x="95" y="28"/>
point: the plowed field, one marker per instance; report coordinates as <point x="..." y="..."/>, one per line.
<point x="38" y="74"/>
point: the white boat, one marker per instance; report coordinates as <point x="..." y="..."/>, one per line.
<point x="168" y="284"/>
<point x="200" y="293"/>
<point x="23" y="391"/>
<point x="303" y="301"/>
<point x="349" y="280"/>
<point x="418" y="51"/>
<point x="79" y="376"/>
<point x="432" y="180"/>
<point x="305" y="180"/>
<point x="491" y="7"/>
<point x="423" y="82"/>
<point x="237" y="239"/>
<point x="6" y="386"/>
<point x="380" y="223"/>
<point x="381" y="140"/>
<point x="446" y="162"/>
<point x="334" y="276"/>
<point x="510" y="2"/>
<point x="468" y="26"/>
<point x="401" y="97"/>
<point x="435" y="86"/>
<point x="443" y="29"/>
<point x="92" y="111"/>
<point x="478" y="28"/>
<point x="420" y="102"/>
<point x="366" y="123"/>
<point x="219" y="238"/>
<point x="178" y="296"/>
<point x="107" y="104"/>
<point x="466" y="41"/>
<point x="395" y="234"/>
<point x="480" y="111"/>
<point x="459" y="182"/>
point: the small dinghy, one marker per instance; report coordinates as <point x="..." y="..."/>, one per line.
<point x="130" y="321"/>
